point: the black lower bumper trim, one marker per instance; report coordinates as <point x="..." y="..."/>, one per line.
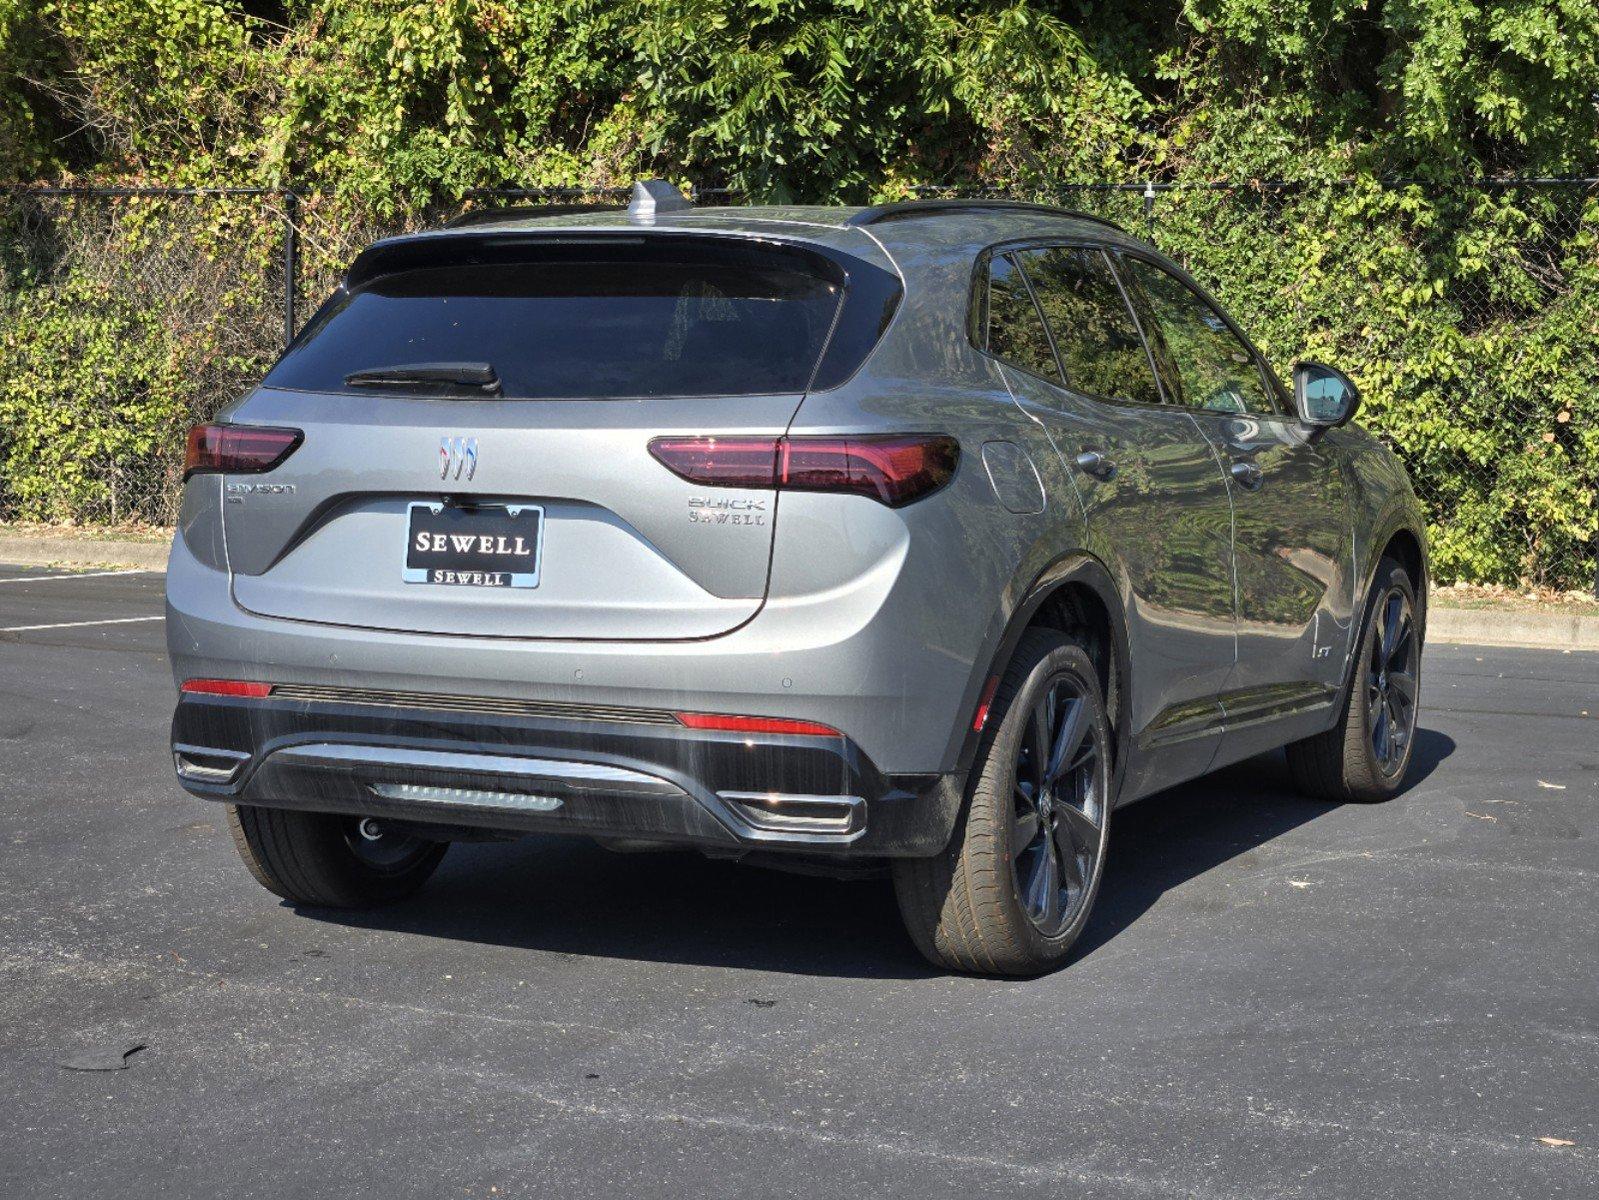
<point x="540" y="774"/>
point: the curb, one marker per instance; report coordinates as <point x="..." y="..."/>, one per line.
<point x="82" y="552"/>
<point x="1488" y="627"/>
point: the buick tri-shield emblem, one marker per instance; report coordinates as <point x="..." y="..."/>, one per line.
<point x="457" y="456"/>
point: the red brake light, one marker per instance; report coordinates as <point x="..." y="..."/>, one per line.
<point x="731" y="724"/>
<point x="238" y="449"/>
<point x="226" y="687"/>
<point x="893" y="469"/>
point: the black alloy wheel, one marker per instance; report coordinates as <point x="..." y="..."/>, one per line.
<point x="1059" y="797"/>
<point x="1391" y="682"/>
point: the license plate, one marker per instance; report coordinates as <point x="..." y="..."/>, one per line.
<point x="474" y="547"/>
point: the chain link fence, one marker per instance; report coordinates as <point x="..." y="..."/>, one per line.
<point x="1469" y="312"/>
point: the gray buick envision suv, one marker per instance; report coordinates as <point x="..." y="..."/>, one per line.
<point x="920" y="536"/>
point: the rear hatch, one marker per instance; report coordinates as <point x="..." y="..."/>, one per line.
<point x="477" y="412"/>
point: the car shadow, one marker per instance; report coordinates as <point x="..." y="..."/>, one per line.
<point x="569" y="896"/>
<point x="1173" y="836"/>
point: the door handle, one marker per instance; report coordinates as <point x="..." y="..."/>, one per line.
<point x="1247" y="475"/>
<point x="1093" y="462"/>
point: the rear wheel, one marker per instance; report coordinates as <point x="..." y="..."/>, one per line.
<point x="328" y="860"/>
<point x="1015" y="887"/>
<point x="1365" y="756"/>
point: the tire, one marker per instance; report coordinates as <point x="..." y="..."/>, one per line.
<point x="1346" y="763"/>
<point x="980" y="906"/>
<point x="324" y="860"/>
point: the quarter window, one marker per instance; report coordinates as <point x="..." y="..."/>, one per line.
<point x="1014" y="330"/>
<point x="1217" y="369"/>
<point x="1100" y="349"/>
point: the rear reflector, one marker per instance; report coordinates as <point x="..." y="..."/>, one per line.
<point x="237" y="449"/>
<point x="226" y="687"/>
<point x="729" y="724"/>
<point x="985" y="704"/>
<point x="893" y="469"/>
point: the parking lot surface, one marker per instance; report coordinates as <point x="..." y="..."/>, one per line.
<point x="1275" y="997"/>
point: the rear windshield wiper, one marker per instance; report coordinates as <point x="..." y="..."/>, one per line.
<point x="474" y="379"/>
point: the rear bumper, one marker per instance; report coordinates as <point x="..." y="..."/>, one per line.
<point x="625" y="775"/>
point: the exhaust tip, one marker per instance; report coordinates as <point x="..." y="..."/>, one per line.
<point x="208" y="764"/>
<point x="778" y="812"/>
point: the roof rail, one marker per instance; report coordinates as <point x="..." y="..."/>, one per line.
<point x="908" y="208"/>
<point x="483" y="216"/>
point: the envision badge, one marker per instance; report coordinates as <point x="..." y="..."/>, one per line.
<point x="236" y="492"/>
<point x="457" y="454"/>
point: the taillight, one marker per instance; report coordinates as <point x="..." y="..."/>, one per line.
<point x="731" y="724"/>
<point x="747" y="462"/>
<point x="225" y="687"/>
<point x="893" y="469"/>
<point x="238" y="449"/>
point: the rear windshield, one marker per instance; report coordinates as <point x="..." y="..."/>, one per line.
<point x="582" y="321"/>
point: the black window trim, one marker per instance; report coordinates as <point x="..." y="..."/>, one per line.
<point x="1274" y="385"/>
<point x="979" y="299"/>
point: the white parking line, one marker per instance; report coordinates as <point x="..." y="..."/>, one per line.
<point x="77" y="624"/>
<point x="78" y="575"/>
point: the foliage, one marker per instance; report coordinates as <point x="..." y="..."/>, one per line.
<point x="1469" y="315"/>
<point x="1469" y="319"/>
<point x="118" y="328"/>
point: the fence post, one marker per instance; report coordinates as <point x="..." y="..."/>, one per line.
<point x="1149" y="210"/>
<point x="291" y="265"/>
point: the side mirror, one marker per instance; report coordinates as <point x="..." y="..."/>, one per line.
<point x="1325" y="397"/>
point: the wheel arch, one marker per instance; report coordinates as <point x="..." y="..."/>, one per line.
<point x="1076" y="594"/>
<point x="1408" y="547"/>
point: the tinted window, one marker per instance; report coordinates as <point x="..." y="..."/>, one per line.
<point x="1100" y="348"/>
<point x="1217" y="370"/>
<point x="609" y="322"/>
<point x="1015" y="332"/>
<point x="1171" y="382"/>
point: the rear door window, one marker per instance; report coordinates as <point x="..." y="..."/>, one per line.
<point x="571" y="321"/>
<point x="1100" y="349"/>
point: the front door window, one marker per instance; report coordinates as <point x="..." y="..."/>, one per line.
<point x="1218" y="371"/>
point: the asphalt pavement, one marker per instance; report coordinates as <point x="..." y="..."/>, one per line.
<point x="1275" y="997"/>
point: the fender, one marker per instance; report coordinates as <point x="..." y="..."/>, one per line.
<point x="1074" y="567"/>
